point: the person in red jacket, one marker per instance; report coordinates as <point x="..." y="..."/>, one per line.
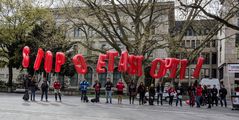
<point x="199" y="95"/>
<point x="120" y="88"/>
<point x="57" y="87"/>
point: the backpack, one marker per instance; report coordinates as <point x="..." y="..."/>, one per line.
<point x="26" y="96"/>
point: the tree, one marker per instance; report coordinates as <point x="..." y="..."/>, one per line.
<point x="17" y="20"/>
<point x="139" y="25"/>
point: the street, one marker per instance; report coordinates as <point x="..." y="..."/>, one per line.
<point x="12" y="107"/>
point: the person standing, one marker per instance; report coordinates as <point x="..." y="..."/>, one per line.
<point x="199" y="95"/>
<point x="97" y="87"/>
<point x="151" y="94"/>
<point x="120" y="88"/>
<point x="83" y="88"/>
<point x="108" y="90"/>
<point x="171" y="92"/>
<point x="214" y="95"/>
<point x="191" y="94"/>
<point x="160" y="90"/>
<point x="33" y="88"/>
<point x="223" y="94"/>
<point x="44" y="89"/>
<point x="141" y="90"/>
<point x="57" y="89"/>
<point x="179" y="94"/>
<point x="132" y="92"/>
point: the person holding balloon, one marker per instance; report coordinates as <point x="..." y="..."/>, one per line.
<point x="108" y="90"/>
<point x="83" y="88"/>
<point x="120" y="88"/>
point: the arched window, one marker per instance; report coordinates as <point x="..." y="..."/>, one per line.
<point x="116" y="76"/>
<point x="148" y="80"/>
<point x="102" y="77"/>
<point x="88" y="75"/>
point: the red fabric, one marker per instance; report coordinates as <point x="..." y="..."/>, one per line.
<point x="199" y="91"/>
<point x="120" y="86"/>
<point x="97" y="87"/>
<point x="57" y="85"/>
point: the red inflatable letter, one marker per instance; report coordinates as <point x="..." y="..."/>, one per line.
<point x="80" y="64"/>
<point x="101" y="63"/>
<point x="174" y="67"/>
<point x="111" y="55"/>
<point x="25" y="55"/>
<point x="183" y="67"/>
<point x="139" y="60"/>
<point x="60" y="60"/>
<point x="161" y="71"/>
<point x="198" y="67"/>
<point x="48" y="62"/>
<point x="40" y="55"/>
<point x="132" y="68"/>
<point x="123" y="62"/>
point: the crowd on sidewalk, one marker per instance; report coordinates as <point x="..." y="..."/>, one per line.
<point x="201" y="95"/>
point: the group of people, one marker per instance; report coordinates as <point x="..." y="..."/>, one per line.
<point x="201" y="95"/>
<point x="204" y="95"/>
<point x="31" y="84"/>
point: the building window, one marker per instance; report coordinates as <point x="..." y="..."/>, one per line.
<point x="116" y="76"/>
<point x="236" y="75"/>
<point x="183" y="43"/>
<point x="214" y="58"/>
<point x="213" y="43"/>
<point x="193" y="44"/>
<point x="187" y="43"/>
<point x="221" y="73"/>
<point x="206" y="57"/>
<point x="102" y="77"/>
<point x="206" y="31"/>
<point x="189" y="32"/>
<point x="76" y="32"/>
<point x="207" y="44"/>
<point x="197" y="43"/>
<point x="214" y="73"/>
<point x="88" y="75"/>
<point x="205" y="73"/>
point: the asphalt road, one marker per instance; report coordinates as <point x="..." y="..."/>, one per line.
<point x="12" y="107"/>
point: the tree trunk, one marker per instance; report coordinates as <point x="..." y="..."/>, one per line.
<point x="10" y="72"/>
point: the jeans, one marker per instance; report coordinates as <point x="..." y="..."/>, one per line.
<point x="83" y="95"/>
<point x="44" y="92"/>
<point x="171" y="100"/>
<point x="131" y="98"/>
<point x="214" y="100"/>
<point x="108" y="96"/>
<point x="57" y="92"/>
<point x="180" y="100"/>
<point x="198" y="99"/>
<point x="223" y="99"/>
<point x="141" y="98"/>
<point x="33" y="93"/>
<point x="161" y="98"/>
<point x="97" y="96"/>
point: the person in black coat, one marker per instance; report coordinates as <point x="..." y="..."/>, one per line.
<point x="141" y="90"/>
<point x="33" y="88"/>
<point x="160" y="90"/>
<point x="179" y="93"/>
<point x="223" y="94"/>
<point x="214" y="95"/>
<point x="132" y="92"/>
<point x="151" y="94"/>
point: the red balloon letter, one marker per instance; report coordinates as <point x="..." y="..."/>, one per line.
<point x="161" y="71"/>
<point x="198" y="67"/>
<point x="174" y="67"/>
<point x="40" y="55"/>
<point x="183" y="67"/>
<point x="139" y="60"/>
<point x="132" y="68"/>
<point x="111" y="55"/>
<point x="101" y="63"/>
<point x="48" y="62"/>
<point x="123" y="62"/>
<point x="60" y="60"/>
<point x="80" y="64"/>
<point x="26" y="58"/>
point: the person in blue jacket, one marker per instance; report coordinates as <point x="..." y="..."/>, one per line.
<point x="83" y="88"/>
